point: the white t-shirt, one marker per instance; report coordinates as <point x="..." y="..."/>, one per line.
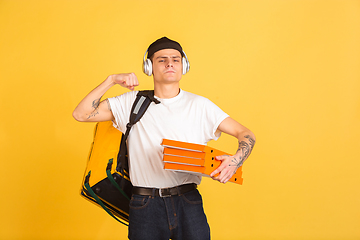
<point x="186" y="117"/>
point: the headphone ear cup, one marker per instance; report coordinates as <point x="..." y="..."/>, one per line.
<point x="147" y="67"/>
<point x="185" y="65"/>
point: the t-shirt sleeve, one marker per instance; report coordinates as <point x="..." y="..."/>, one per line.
<point x="214" y="116"/>
<point x="120" y="108"/>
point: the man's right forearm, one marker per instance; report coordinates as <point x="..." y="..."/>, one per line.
<point x="89" y="106"/>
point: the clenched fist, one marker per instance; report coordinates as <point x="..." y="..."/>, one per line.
<point x="127" y="80"/>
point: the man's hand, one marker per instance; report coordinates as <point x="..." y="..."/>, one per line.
<point x="226" y="169"/>
<point x="126" y="80"/>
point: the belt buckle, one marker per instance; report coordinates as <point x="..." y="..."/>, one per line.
<point x="161" y="194"/>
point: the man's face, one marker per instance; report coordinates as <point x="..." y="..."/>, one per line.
<point x="167" y="66"/>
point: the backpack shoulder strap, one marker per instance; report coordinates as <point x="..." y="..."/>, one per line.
<point x="139" y="107"/>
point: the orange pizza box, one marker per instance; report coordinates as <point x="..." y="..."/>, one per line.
<point x="194" y="158"/>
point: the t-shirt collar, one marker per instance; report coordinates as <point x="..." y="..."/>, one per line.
<point x="170" y="100"/>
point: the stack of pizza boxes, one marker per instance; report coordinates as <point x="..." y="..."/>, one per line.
<point x="194" y="158"/>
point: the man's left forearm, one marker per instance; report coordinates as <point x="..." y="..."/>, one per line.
<point x="230" y="164"/>
<point x="246" y="145"/>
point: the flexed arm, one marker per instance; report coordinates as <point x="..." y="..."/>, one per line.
<point x="230" y="164"/>
<point x="91" y="109"/>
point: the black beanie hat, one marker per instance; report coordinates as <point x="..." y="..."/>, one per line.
<point x="164" y="43"/>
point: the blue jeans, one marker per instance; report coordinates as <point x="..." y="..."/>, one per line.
<point x="161" y="218"/>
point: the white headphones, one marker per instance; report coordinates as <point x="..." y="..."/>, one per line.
<point x="147" y="65"/>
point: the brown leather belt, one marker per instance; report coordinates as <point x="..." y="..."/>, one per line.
<point x="164" y="192"/>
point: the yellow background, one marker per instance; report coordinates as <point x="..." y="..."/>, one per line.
<point x="286" y="69"/>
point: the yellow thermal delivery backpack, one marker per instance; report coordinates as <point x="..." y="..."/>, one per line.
<point x="106" y="181"/>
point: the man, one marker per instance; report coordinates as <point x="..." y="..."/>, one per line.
<point x="181" y="116"/>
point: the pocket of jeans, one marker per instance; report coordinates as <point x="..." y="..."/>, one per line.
<point x="138" y="201"/>
<point x="192" y="197"/>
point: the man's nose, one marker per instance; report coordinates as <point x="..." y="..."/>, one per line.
<point x="170" y="63"/>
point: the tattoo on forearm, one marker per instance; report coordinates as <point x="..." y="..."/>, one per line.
<point x="95" y="105"/>
<point x="251" y="141"/>
<point x="245" y="149"/>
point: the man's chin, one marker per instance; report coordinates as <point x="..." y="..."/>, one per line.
<point x="169" y="80"/>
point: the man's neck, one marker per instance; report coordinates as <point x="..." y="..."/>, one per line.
<point x="166" y="90"/>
